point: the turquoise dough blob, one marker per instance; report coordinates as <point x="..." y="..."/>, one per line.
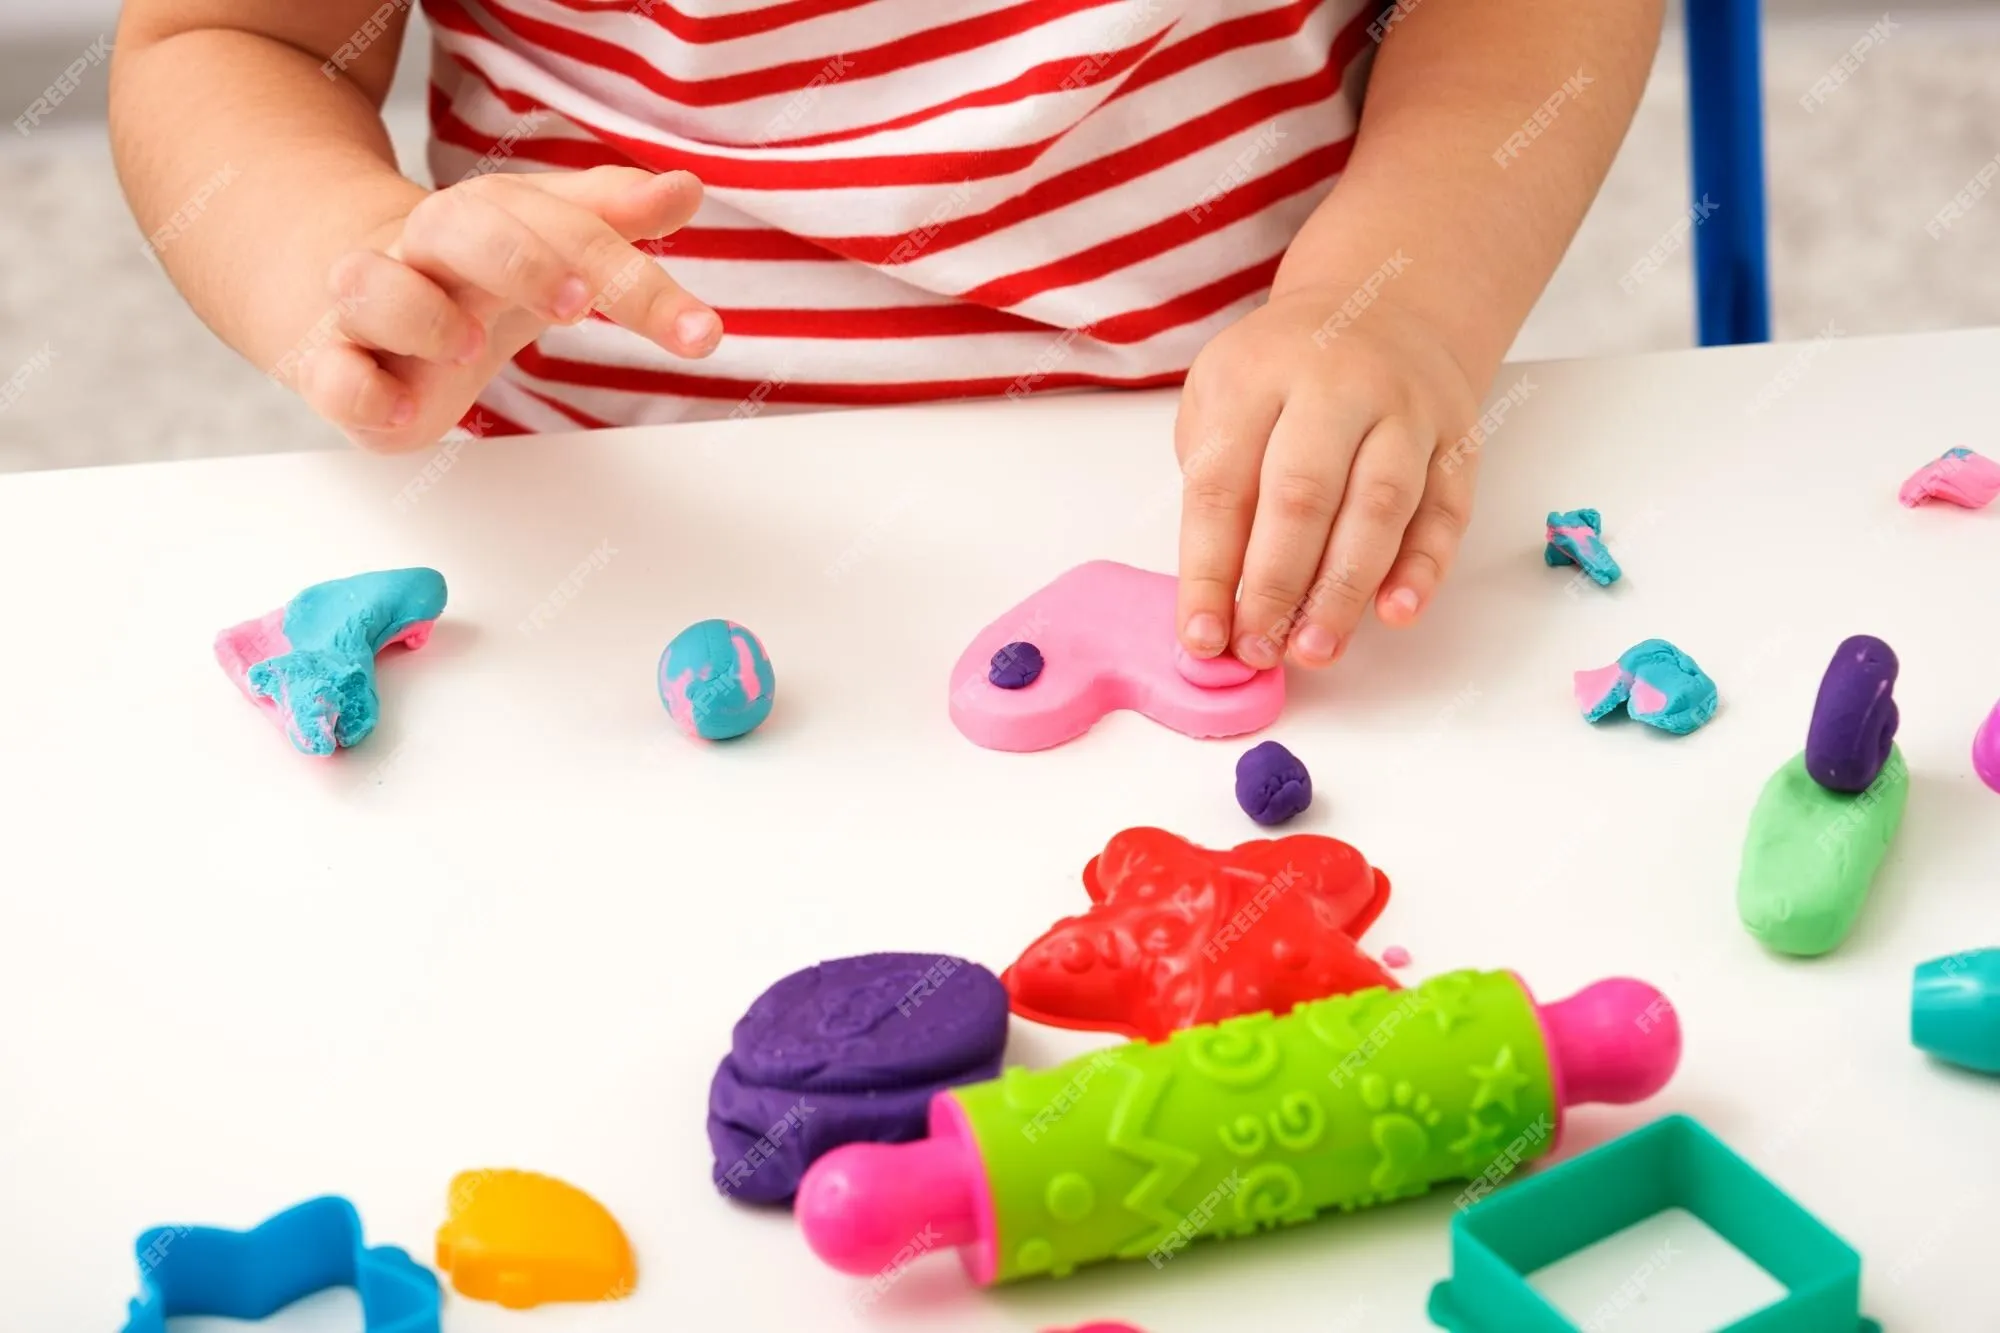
<point x="1812" y="854"/>
<point x="716" y="681"/>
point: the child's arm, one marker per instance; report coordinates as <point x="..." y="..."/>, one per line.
<point x="1325" y="437"/>
<point x="388" y="306"/>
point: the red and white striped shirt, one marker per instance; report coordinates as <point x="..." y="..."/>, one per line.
<point x="911" y="201"/>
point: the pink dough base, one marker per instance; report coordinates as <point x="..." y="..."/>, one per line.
<point x="1106" y="635"/>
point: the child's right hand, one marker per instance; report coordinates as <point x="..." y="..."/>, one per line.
<point x="425" y="317"/>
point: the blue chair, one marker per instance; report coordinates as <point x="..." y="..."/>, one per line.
<point x="1726" y="129"/>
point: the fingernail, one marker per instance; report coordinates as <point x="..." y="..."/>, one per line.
<point x="470" y="346"/>
<point x="1403" y="601"/>
<point x="1317" y="643"/>
<point x="1204" y="631"/>
<point x="696" y="328"/>
<point x="400" y="414"/>
<point x="571" y="299"/>
<point x="1255" y="650"/>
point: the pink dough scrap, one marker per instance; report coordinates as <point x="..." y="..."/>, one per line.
<point x="1596" y="685"/>
<point x="1960" y="477"/>
<point x="1106" y="635"/>
<point x="241" y="647"/>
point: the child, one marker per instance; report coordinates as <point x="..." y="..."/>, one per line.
<point x="893" y="200"/>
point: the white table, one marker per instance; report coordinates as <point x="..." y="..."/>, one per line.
<point x="515" y="927"/>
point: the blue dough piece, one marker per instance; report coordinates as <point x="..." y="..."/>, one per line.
<point x="254" y="1274"/>
<point x="1656" y="682"/>
<point x="716" y="680"/>
<point x="1574" y="538"/>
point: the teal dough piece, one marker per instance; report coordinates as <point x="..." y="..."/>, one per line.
<point x="310" y="665"/>
<point x="1812" y="854"/>
<point x="1656" y="682"/>
<point x="1955" y="1009"/>
<point x="716" y="680"/>
<point x="1575" y="537"/>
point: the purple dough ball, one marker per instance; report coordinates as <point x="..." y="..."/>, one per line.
<point x="1015" y="666"/>
<point x="1854" y="719"/>
<point x="1271" y="784"/>
<point x="765" y="1138"/>
<point x="880" y="1020"/>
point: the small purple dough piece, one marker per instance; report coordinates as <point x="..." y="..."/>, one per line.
<point x="765" y="1138"/>
<point x="1271" y="784"/>
<point x="1015" y="666"/>
<point x="880" y="1020"/>
<point x="1854" y="720"/>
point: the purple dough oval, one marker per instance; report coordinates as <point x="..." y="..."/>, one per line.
<point x="765" y="1138"/>
<point x="880" y="1020"/>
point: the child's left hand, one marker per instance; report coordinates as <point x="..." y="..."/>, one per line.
<point x="1318" y="447"/>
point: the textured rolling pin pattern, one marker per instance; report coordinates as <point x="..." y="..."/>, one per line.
<point x="1260" y="1121"/>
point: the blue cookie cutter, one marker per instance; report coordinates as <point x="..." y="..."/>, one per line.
<point x="254" y="1274"/>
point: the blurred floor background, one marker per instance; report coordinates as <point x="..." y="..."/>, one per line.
<point x="108" y="366"/>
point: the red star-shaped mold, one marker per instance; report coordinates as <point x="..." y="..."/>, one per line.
<point x="1178" y="935"/>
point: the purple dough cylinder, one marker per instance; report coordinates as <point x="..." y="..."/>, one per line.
<point x="765" y="1138"/>
<point x="1854" y="720"/>
<point x="1271" y="784"/>
<point x="879" y="1020"/>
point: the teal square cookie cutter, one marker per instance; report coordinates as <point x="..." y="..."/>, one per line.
<point x="1671" y="1163"/>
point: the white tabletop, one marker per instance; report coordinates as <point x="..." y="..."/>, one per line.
<point x="514" y="928"/>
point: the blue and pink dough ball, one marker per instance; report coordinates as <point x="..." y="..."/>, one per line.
<point x="716" y="681"/>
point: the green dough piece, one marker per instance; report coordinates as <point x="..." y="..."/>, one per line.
<point x="1260" y="1121"/>
<point x="1812" y="853"/>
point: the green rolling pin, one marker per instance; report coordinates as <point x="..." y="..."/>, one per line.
<point x="1240" y="1126"/>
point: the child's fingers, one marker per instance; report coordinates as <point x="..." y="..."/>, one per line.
<point x="1383" y="490"/>
<point x="628" y="285"/>
<point x="1430" y="545"/>
<point x="1304" y="477"/>
<point x="639" y="205"/>
<point x="464" y="234"/>
<point x="344" y="384"/>
<point x="387" y="305"/>
<point x="1218" y="450"/>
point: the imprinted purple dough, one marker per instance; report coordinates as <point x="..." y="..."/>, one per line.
<point x="1854" y="720"/>
<point x="1271" y="784"/>
<point x="1015" y="666"/>
<point x="848" y="1051"/>
<point x="765" y="1138"/>
<point x="880" y="1020"/>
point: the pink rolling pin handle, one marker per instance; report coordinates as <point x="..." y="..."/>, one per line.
<point x="862" y="1205"/>
<point x="1616" y="1041"/>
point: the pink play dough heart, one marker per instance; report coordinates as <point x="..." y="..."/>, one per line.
<point x="1106" y="634"/>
